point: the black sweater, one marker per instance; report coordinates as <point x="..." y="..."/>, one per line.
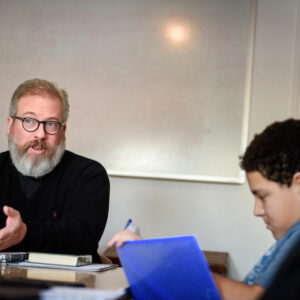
<point x="66" y="213"/>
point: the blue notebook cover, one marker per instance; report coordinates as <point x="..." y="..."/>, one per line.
<point x="167" y="268"/>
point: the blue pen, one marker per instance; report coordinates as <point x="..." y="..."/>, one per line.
<point x="128" y="223"/>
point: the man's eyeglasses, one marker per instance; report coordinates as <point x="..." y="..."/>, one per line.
<point x="31" y="125"/>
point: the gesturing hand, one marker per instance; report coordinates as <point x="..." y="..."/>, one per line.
<point x="14" y="231"/>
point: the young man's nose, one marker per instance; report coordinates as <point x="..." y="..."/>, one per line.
<point x="258" y="208"/>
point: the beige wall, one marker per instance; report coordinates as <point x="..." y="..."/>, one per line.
<point x="219" y="215"/>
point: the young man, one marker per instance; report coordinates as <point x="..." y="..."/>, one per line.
<point x="272" y="165"/>
<point x="53" y="200"/>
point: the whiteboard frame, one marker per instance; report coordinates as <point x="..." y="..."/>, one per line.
<point x="240" y="179"/>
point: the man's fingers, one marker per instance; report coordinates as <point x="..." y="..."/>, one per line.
<point x="121" y="237"/>
<point x="13" y="216"/>
<point x="14" y="231"/>
<point x="10" y="212"/>
<point x="117" y="239"/>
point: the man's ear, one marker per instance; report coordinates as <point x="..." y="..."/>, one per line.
<point x="296" y="181"/>
<point x="9" y="125"/>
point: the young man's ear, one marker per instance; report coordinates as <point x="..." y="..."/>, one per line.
<point x="296" y="180"/>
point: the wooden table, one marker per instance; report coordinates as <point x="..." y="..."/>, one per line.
<point x="110" y="279"/>
<point x="217" y="261"/>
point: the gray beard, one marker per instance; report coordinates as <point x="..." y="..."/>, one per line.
<point x="27" y="167"/>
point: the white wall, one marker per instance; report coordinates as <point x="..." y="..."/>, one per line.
<point x="221" y="215"/>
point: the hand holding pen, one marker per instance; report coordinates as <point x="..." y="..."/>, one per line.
<point x="130" y="233"/>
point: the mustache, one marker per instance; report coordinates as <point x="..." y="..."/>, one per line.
<point x="36" y="143"/>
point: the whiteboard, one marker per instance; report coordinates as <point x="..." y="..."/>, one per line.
<point x="158" y="89"/>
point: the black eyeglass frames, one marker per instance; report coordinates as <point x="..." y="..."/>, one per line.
<point x="31" y="125"/>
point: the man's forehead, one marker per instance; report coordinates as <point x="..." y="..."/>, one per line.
<point x="40" y="103"/>
<point x="256" y="180"/>
<point x="42" y="99"/>
<point x="42" y="94"/>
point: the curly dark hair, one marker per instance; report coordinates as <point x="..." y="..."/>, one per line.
<point x="275" y="152"/>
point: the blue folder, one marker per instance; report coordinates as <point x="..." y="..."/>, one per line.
<point x="167" y="268"/>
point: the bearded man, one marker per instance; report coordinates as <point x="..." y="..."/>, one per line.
<point x="53" y="200"/>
